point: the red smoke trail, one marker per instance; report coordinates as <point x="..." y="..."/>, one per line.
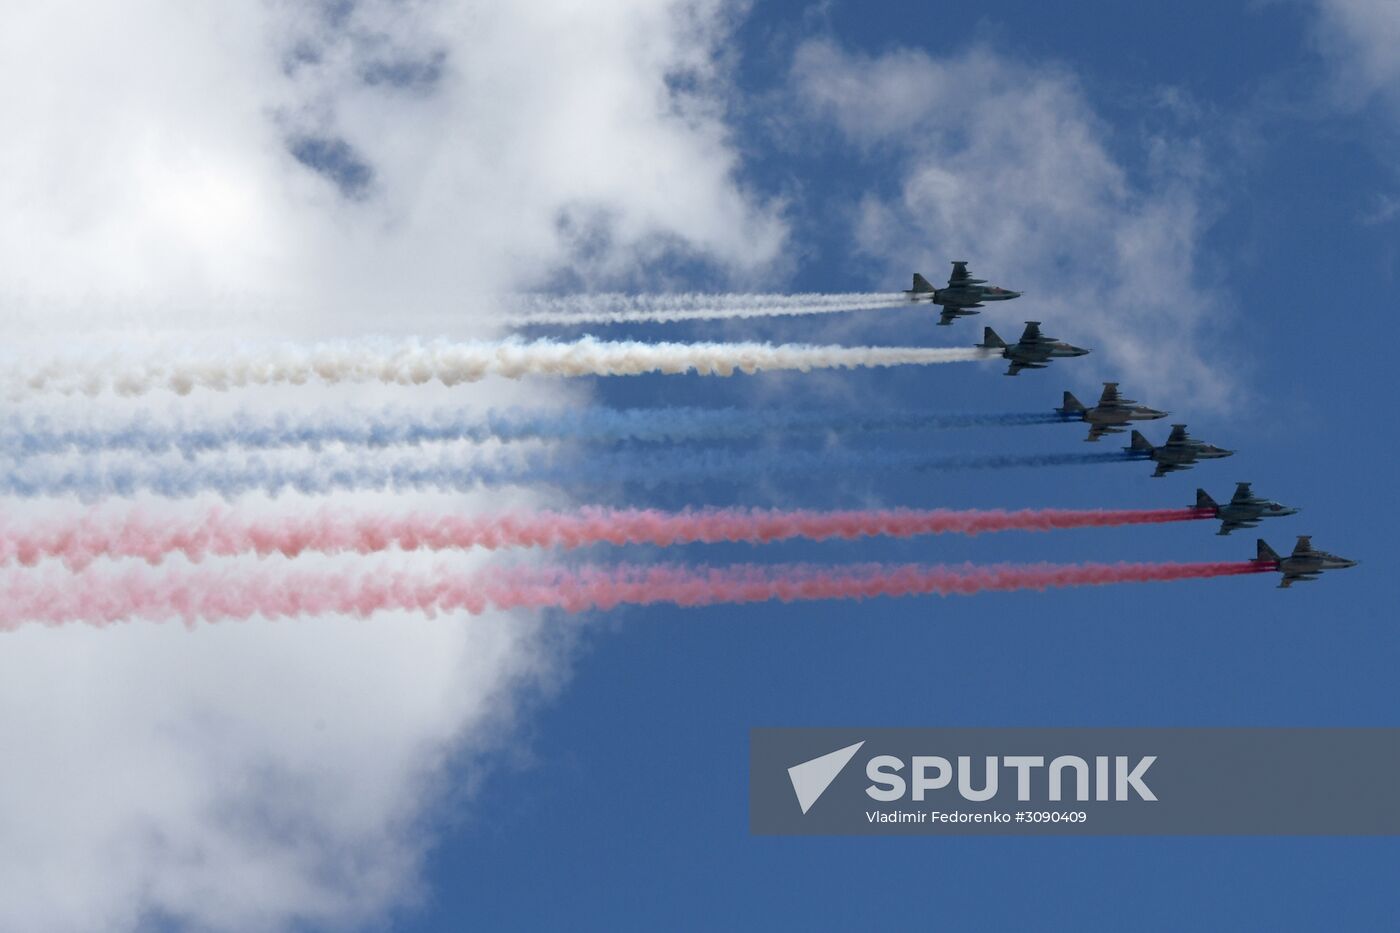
<point x="218" y="533"/>
<point x="100" y="599"/>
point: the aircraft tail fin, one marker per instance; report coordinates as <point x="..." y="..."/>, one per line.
<point x="1204" y="501"/>
<point x="1072" y="404"/>
<point x="990" y="340"/>
<point x="1141" y="443"/>
<point x="1265" y="553"/>
<point x="921" y="285"/>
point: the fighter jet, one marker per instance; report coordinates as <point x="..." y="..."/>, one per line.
<point x="1304" y="564"/>
<point x="1244" y="510"/>
<point x="1180" y="452"/>
<point x="962" y="294"/>
<point x="1033" y="351"/>
<point x="1109" y="415"/>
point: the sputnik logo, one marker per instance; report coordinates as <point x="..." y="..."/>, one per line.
<point x="810" y="779"/>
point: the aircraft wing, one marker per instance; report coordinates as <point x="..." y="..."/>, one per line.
<point x="1242" y="494"/>
<point x="1097" y="431"/>
<point x="1228" y="525"/>
<point x="1304" y="545"/>
<point x="949" y="315"/>
<point x="1032" y="332"/>
<point x="1110" y="397"/>
<point x="960" y="275"/>
<point x="1178" y="435"/>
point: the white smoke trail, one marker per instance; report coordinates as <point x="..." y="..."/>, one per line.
<point x="418" y="363"/>
<point x="664" y="309"/>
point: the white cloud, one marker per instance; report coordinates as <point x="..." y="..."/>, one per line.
<point x="1360" y="43"/>
<point x="1008" y="166"/>
<point x="147" y="147"/>
<point x="255" y="775"/>
<point x="1384" y="209"/>
<point x="1361" y="38"/>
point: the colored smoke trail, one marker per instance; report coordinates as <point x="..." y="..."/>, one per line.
<point x="416" y="363"/>
<point x="663" y="309"/>
<point x="219" y="533"/>
<point x="104" y="598"/>
<point x="389" y="427"/>
<point x="1012" y="461"/>
<point x="329" y="472"/>
<point x="660" y="467"/>
<point x="460" y="471"/>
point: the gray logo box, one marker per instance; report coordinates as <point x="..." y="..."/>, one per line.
<point x="1152" y="781"/>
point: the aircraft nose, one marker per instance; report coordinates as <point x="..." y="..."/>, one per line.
<point x="1152" y="414"/>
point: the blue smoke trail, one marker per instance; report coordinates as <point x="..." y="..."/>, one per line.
<point x="455" y="471"/>
<point x="21" y="437"/>
<point x="660" y="467"/>
<point x="90" y="481"/>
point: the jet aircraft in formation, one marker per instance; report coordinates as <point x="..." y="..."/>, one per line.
<point x="1033" y="351"/>
<point x="1180" y="452"/>
<point x="1244" y="510"/>
<point x="1111" y="413"/>
<point x="962" y="294"/>
<point x="1305" y="564"/>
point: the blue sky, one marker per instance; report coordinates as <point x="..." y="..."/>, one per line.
<point x="626" y="804"/>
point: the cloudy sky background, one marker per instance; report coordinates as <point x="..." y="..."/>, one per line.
<point x="173" y="175"/>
